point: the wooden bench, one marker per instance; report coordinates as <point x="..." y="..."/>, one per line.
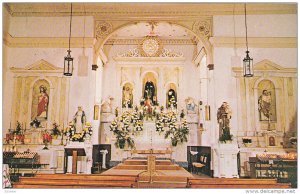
<point x="235" y="183"/>
<point x="76" y="181"/>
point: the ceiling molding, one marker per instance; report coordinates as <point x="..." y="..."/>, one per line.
<point x="36" y="42"/>
<point x="254" y="42"/>
<point x="121" y="11"/>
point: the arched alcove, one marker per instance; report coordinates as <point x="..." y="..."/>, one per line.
<point x="127" y="95"/>
<point x="266" y="100"/>
<point x="149" y="89"/>
<point x="171" y="95"/>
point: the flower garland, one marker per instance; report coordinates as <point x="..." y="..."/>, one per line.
<point x="70" y="131"/>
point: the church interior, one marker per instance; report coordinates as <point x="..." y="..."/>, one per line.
<point x="149" y="95"/>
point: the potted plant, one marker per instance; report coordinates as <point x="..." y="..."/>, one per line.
<point x="247" y="141"/>
<point x="47" y="138"/>
<point x="35" y="123"/>
<point x="226" y="136"/>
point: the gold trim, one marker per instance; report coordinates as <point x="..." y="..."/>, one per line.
<point x="144" y="53"/>
<point x="254" y="42"/>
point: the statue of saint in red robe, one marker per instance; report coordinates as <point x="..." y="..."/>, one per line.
<point x="42" y="109"/>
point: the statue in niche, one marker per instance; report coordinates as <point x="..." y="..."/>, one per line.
<point x="224" y="115"/>
<point x="148" y="108"/>
<point x="127" y="101"/>
<point x="149" y="91"/>
<point x="79" y="120"/>
<point x="172" y="100"/>
<point x="264" y="105"/>
<point x="43" y="102"/>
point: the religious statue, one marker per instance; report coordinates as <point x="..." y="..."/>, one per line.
<point x="264" y="105"/>
<point x="224" y="116"/>
<point x="79" y="120"/>
<point x="190" y="105"/>
<point x="127" y="100"/>
<point x="148" y="108"/>
<point x="42" y="110"/>
<point x="172" y="101"/>
<point x="149" y="91"/>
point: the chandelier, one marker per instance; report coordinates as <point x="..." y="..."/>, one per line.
<point x="68" y="62"/>
<point x="247" y="61"/>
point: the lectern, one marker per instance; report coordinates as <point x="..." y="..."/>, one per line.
<point x="74" y="152"/>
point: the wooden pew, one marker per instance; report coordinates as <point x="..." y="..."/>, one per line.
<point x="76" y="181"/>
<point x="235" y="183"/>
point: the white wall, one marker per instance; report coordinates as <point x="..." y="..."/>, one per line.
<point x="51" y="26"/>
<point x="258" y="26"/>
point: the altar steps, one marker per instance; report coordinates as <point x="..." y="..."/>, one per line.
<point x="76" y="181"/>
<point x="144" y="167"/>
<point x="144" y="162"/>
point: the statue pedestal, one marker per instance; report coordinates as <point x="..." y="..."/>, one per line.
<point x="225" y="162"/>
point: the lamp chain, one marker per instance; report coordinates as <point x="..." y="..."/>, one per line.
<point x="246" y="26"/>
<point x="70" y="27"/>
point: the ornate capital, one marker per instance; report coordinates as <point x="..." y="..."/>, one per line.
<point x="102" y="29"/>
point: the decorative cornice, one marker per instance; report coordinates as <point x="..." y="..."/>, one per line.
<point x="257" y="42"/>
<point x="136" y="53"/>
<point x="36" y="42"/>
<point x="163" y="41"/>
<point x="121" y="11"/>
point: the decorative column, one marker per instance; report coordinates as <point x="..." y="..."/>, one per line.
<point x="180" y="88"/>
<point x="160" y="94"/>
<point x="104" y="152"/>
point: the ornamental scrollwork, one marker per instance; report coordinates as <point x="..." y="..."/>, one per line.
<point x="102" y="29"/>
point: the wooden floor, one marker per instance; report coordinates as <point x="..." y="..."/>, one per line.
<point x="130" y="174"/>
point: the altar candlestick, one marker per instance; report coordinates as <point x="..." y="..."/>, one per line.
<point x="9" y="125"/>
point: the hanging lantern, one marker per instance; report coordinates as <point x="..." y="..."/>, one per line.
<point x="248" y="65"/>
<point x="247" y="61"/>
<point x="68" y="62"/>
<point x="68" y="65"/>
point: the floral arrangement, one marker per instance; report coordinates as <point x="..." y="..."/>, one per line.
<point x="17" y="134"/>
<point x="70" y="132"/>
<point x="129" y="123"/>
<point x="177" y="132"/>
<point x="35" y="123"/>
<point x="47" y="138"/>
<point x="55" y="131"/>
